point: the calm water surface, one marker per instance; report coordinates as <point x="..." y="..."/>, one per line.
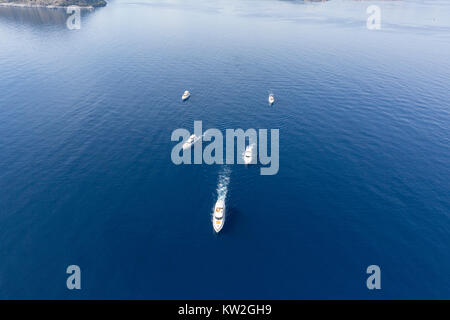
<point x="85" y="171"/>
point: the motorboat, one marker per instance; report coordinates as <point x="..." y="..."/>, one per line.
<point x="248" y="154"/>
<point x="271" y="99"/>
<point x="190" y="142"/>
<point x="218" y="218"/>
<point x="185" y="95"/>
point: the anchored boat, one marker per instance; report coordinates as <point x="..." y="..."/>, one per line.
<point x="185" y="95"/>
<point x="271" y="99"/>
<point x="190" y="142"/>
<point x="248" y="154"/>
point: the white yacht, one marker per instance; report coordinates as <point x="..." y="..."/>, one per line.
<point x="192" y="139"/>
<point x="218" y="218"/>
<point x="248" y="154"/>
<point x="185" y="95"/>
<point x="271" y="99"/>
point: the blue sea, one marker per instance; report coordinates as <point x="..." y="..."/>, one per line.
<point x="86" y="176"/>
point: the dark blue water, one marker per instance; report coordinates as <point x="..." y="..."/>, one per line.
<point x="86" y="176"/>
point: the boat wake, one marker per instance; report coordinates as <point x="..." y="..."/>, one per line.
<point x="222" y="185"/>
<point x="219" y="212"/>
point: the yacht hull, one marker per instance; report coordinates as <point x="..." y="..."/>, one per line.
<point x="218" y="225"/>
<point x="218" y="217"/>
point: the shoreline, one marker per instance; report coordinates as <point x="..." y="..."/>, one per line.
<point x="26" y="5"/>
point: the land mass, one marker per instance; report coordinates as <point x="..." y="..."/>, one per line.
<point x="54" y="3"/>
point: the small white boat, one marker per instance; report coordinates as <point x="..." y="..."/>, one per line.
<point x="218" y="218"/>
<point x="271" y="99"/>
<point x="248" y="154"/>
<point x="190" y="142"/>
<point x="185" y="95"/>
